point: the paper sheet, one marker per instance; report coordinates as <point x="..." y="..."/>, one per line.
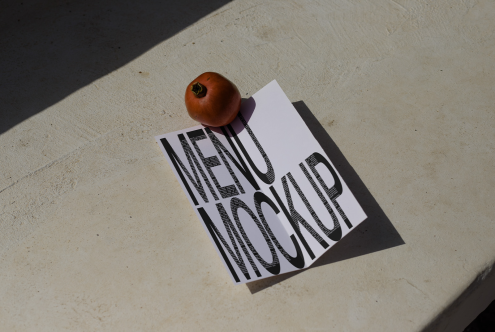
<point x="267" y="195"/>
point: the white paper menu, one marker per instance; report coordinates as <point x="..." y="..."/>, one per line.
<point x="267" y="195"/>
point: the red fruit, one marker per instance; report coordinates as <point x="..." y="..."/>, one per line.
<point x="212" y="100"/>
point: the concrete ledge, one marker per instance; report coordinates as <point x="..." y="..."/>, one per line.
<point x="95" y="233"/>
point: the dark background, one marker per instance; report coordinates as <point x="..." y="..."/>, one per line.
<point x="485" y="322"/>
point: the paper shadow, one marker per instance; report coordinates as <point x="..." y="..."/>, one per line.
<point x="50" y="49"/>
<point x="374" y="234"/>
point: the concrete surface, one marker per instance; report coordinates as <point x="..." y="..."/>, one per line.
<point x="96" y="235"/>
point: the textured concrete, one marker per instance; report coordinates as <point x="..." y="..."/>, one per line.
<point x="96" y="235"/>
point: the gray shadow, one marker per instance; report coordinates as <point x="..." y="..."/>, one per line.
<point x="50" y="49"/>
<point x="248" y="105"/>
<point x="374" y="234"/>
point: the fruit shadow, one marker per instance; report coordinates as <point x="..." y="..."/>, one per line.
<point x="248" y="106"/>
<point x="374" y="234"/>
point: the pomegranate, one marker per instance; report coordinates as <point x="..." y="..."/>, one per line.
<point x="212" y="100"/>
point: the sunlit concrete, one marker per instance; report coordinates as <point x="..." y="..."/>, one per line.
<point x="96" y="234"/>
